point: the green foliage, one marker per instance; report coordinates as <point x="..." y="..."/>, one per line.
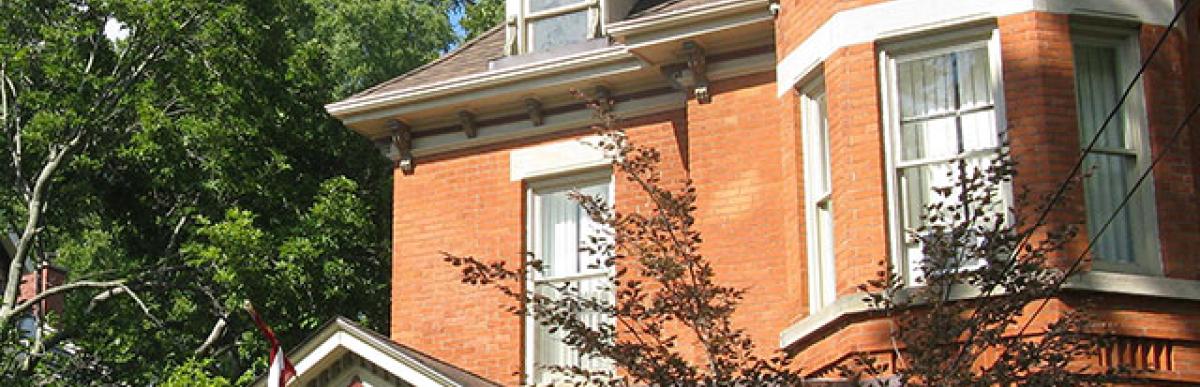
<point x="192" y="374"/>
<point x="482" y="15"/>
<point x="206" y="173"/>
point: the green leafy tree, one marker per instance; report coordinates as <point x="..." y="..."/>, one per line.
<point x="186" y="164"/>
<point x="481" y="15"/>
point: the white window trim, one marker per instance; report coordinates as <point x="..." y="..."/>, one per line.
<point x="1147" y="253"/>
<point x="952" y="40"/>
<point x="822" y="276"/>
<point x="532" y="241"/>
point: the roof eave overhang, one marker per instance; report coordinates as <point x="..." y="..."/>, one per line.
<point x="348" y="108"/>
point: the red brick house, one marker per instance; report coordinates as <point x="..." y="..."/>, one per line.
<point x="813" y="130"/>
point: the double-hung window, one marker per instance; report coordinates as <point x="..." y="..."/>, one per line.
<point x="818" y="198"/>
<point x="560" y="233"/>
<point x="944" y="104"/>
<point x="1105" y="63"/>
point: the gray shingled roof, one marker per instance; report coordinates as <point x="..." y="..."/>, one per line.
<point x="469" y="58"/>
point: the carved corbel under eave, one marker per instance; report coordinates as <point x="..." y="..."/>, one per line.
<point x="467" y="121"/>
<point x="398" y="146"/>
<point x="604" y="100"/>
<point x="698" y="65"/>
<point x="536" y="115"/>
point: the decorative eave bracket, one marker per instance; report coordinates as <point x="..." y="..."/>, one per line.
<point x="467" y="121"/>
<point x="691" y="73"/>
<point x="536" y="115"/>
<point x="604" y="99"/>
<point x="694" y="54"/>
<point x="397" y="146"/>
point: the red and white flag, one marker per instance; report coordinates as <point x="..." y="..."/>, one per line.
<point x="281" y="369"/>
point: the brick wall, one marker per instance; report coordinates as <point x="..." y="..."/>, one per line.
<point x="745" y="195"/>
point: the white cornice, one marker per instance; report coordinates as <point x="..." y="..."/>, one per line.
<point x="346" y="108"/>
<point x="684" y="16"/>
<point x="1092" y="282"/>
<point x="901" y="17"/>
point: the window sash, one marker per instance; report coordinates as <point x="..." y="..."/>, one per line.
<point x="557" y="229"/>
<point x="818" y="199"/>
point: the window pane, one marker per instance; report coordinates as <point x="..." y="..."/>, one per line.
<point x="559" y="30"/>
<point x="822" y="146"/>
<point x="542" y="5"/>
<point x="559" y="222"/>
<point x="974" y="76"/>
<point x="926" y="86"/>
<point x="1104" y="189"/>
<point x="1098" y="91"/>
<point x="551" y="350"/>
<point x="979" y="130"/>
<point x="827" y="289"/>
<point x="929" y="139"/>
<point x="566" y="228"/>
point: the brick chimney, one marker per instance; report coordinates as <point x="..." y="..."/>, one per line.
<point x="43" y="277"/>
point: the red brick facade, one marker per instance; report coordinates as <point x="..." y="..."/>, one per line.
<point x="744" y="153"/>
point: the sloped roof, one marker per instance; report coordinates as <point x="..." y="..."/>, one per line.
<point x="469" y="58"/>
<point x="472" y="57"/>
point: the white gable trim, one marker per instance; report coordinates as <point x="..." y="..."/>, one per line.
<point x="340" y="338"/>
<point x="900" y="17"/>
<point x="399" y="365"/>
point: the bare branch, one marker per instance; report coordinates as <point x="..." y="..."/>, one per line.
<point x="218" y="330"/>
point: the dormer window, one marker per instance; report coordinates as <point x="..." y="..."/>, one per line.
<point x="535" y="26"/>
<point x="556" y="23"/>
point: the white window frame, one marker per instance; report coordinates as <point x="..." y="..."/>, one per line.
<point x="526" y="17"/>
<point x="534" y="245"/>
<point x="954" y="40"/>
<point x="1147" y="254"/>
<point x="822" y="276"/>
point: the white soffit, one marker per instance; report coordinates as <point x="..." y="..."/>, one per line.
<point x="899" y="17"/>
<point x="554" y="158"/>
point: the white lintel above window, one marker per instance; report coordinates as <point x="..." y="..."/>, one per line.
<point x="555" y="158"/>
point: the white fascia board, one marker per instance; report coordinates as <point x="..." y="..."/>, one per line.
<point x="684" y="16"/>
<point x="697" y="27"/>
<point x="425" y="146"/>
<point x="346" y="108"/>
<point x="629" y="65"/>
<point x="901" y="17"/>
